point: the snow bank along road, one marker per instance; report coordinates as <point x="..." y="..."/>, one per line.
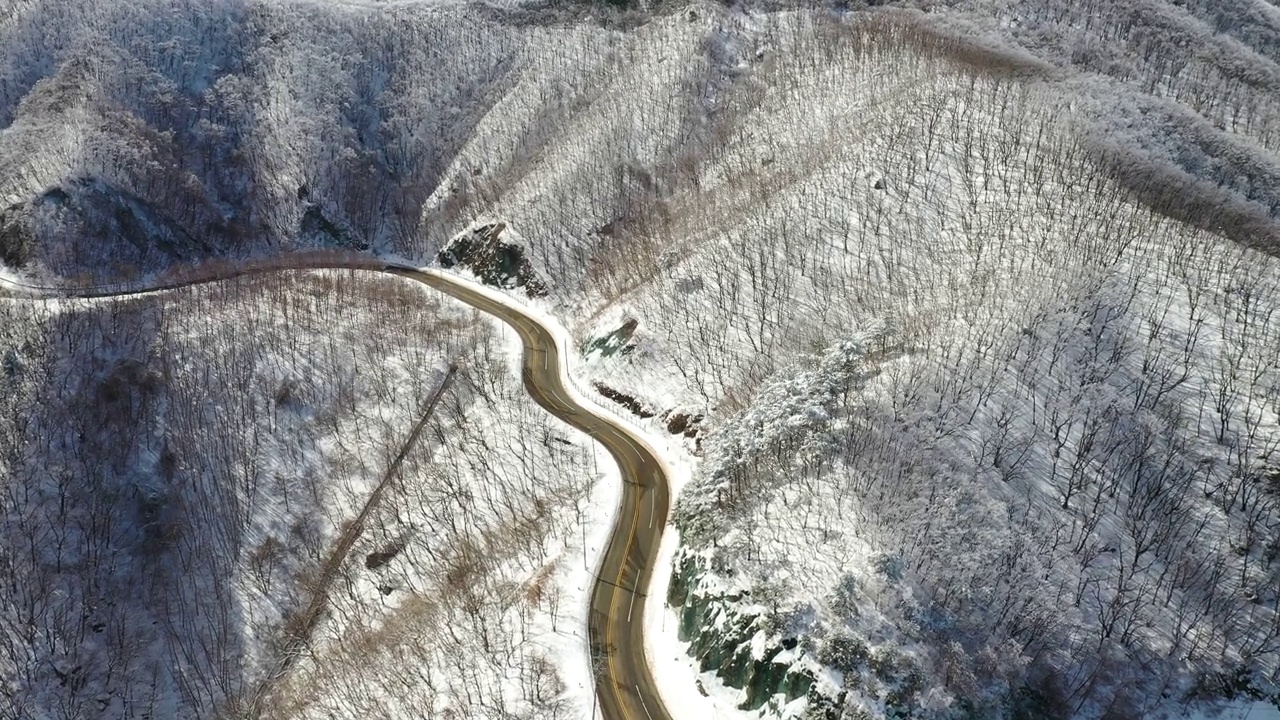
<point x="624" y="684"/>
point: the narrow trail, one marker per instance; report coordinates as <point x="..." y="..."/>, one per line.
<point x="299" y="628"/>
<point x="625" y="687"/>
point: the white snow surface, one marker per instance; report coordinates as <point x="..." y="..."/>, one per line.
<point x="334" y="379"/>
<point x="753" y="188"/>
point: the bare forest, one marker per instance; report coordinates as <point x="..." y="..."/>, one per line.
<point x="182" y="468"/>
<point x="965" y="312"/>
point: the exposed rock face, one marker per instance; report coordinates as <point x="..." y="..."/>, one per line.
<point x="495" y="260"/>
<point x="65" y="227"/>
<point x="684" y="424"/>
<point x="636" y="407"/>
<point x="721" y="630"/>
<point x="618" y="341"/>
<point x="316" y="228"/>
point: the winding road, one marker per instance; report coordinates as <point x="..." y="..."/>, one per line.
<point x="625" y="686"/>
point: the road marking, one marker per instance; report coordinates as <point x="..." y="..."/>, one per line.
<point x="614" y="584"/>
<point x="653" y="506"/>
<point x="613" y="603"/>
<point x="632" y="444"/>
<point x="529" y="337"/>
<point x="642" y="704"/>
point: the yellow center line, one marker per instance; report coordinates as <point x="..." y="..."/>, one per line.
<point x="613" y="604"/>
<point x="529" y="337"/>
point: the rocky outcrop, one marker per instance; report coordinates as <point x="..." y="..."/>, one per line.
<point x="494" y="259"/>
<point x="724" y="632"/>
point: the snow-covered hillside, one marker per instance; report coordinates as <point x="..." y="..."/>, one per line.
<point x="1050" y="492"/>
<point x="966" y="309"/>
<point x="141" y="133"/>
<point x="178" y="469"/>
<point x="1046" y="488"/>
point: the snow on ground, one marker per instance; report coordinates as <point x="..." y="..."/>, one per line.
<point x="679" y="464"/>
<point x="949" y="250"/>
<point x="258" y="415"/>
<point x="751" y="189"/>
<point x="1033" y="312"/>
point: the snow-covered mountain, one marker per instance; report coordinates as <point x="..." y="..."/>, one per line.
<point x="147" y="132"/>
<point x="965" y="308"/>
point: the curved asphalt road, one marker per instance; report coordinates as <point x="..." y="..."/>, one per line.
<point x="624" y="684"/>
